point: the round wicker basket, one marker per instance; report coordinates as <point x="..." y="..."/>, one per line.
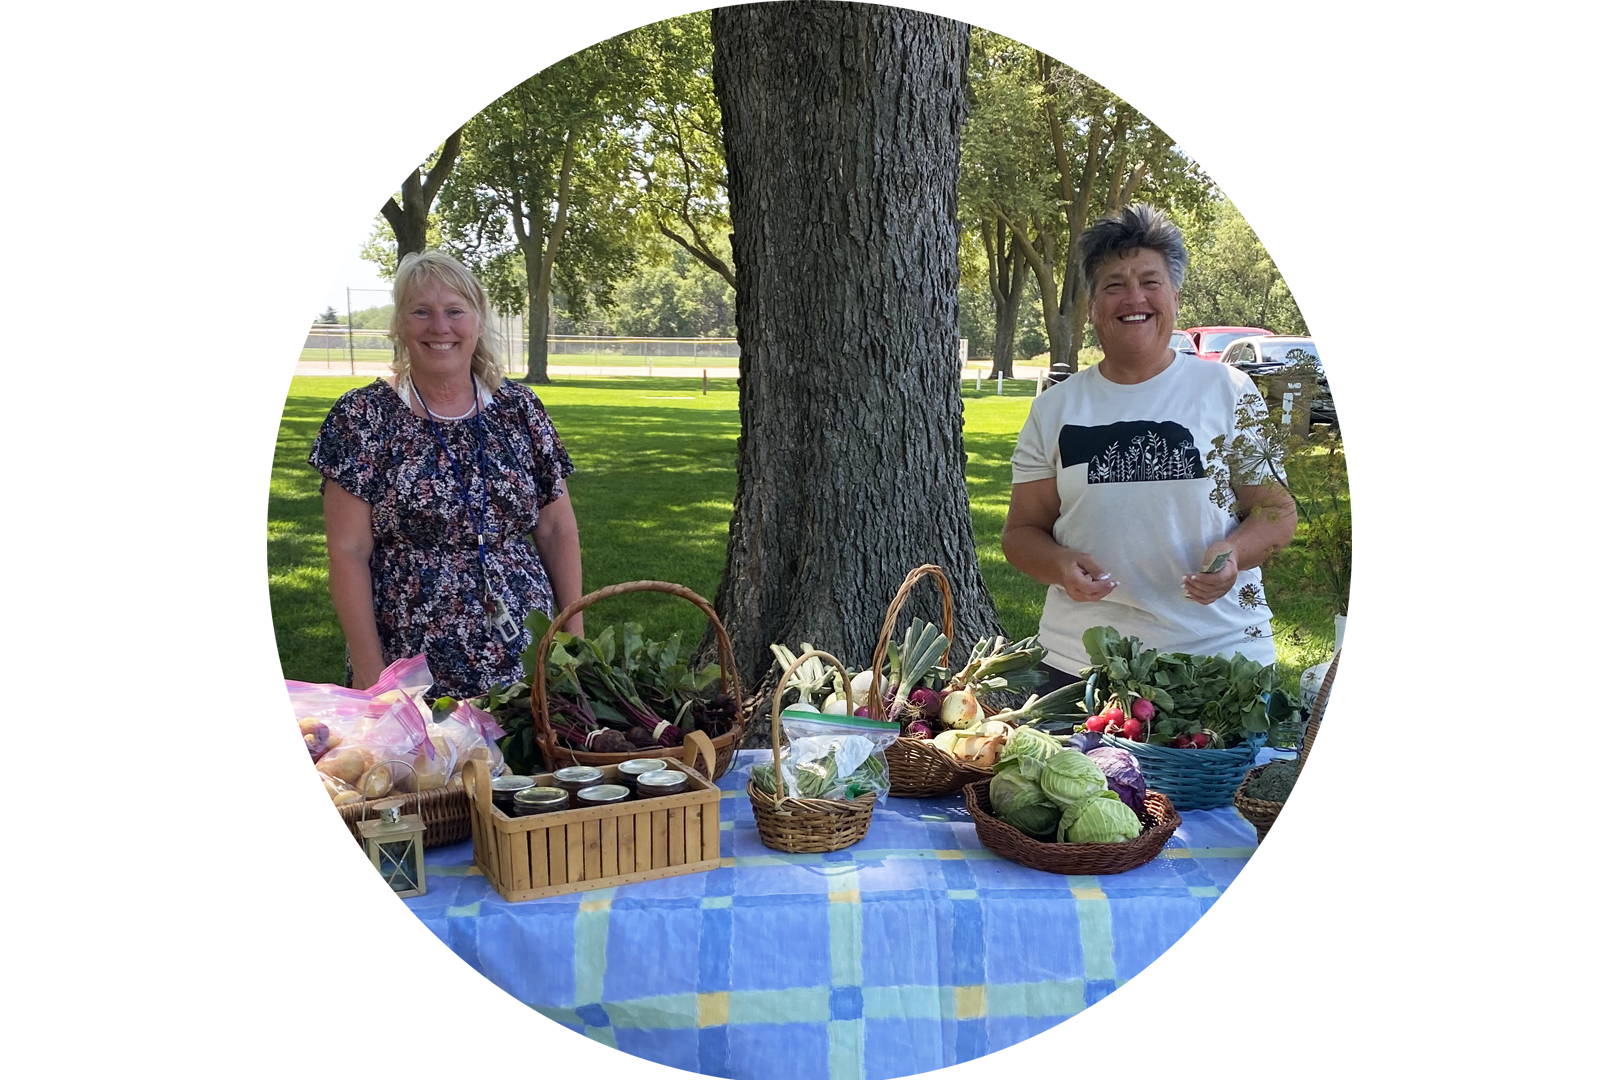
<point x="917" y="768"/>
<point x="806" y="826"/>
<point x="1159" y="824"/>
<point x="1256" y="812"/>
<point x="557" y="756"/>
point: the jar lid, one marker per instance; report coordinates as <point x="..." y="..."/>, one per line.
<point x="577" y="774"/>
<point x="664" y="778"/>
<point x="605" y="793"/>
<point x="512" y="783"/>
<point x="540" y="796"/>
<point x="639" y="765"/>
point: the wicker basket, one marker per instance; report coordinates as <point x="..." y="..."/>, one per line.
<point x="917" y="768"/>
<point x="444" y="811"/>
<point x="1192" y="779"/>
<point x="805" y="826"/>
<point x="1256" y="812"/>
<point x="557" y="756"/>
<point x="1006" y="841"/>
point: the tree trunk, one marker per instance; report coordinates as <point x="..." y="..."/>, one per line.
<point x="409" y="217"/>
<point x="843" y="167"/>
<point x="1009" y="270"/>
<point x="539" y="325"/>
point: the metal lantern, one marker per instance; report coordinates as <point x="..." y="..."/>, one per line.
<point x="393" y="842"/>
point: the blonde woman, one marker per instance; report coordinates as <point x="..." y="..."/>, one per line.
<point x="445" y="496"/>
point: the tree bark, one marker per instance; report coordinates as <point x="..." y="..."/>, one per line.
<point x="540" y="260"/>
<point x="843" y="165"/>
<point x="409" y="216"/>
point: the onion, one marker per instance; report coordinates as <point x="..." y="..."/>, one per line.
<point x="861" y="685"/>
<point x="959" y="709"/>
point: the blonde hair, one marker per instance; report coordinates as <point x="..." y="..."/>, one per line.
<point x="415" y="270"/>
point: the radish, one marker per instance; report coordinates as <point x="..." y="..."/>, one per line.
<point x="1132" y="729"/>
<point x="1096" y="723"/>
<point x="1113" y="714"/>
<point x="1199" y="741"/>
<point x="1142" y="709"/>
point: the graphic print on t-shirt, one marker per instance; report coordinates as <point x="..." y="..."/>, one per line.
<point x="1131" y="450"/>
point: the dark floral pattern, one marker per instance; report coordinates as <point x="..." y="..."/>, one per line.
<point x="425" y="577"/>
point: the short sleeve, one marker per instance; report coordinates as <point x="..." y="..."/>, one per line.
<point x="1032" y="454"/>
<point x="552" y="465"/>
<point x="347" y="448"/>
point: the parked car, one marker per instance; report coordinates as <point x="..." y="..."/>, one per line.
<point x="1260" y="356"/>
<point x="1181" y="341"/>
<point x="1208" y="341"/>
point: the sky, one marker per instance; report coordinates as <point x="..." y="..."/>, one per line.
<point x="311" y="259"/>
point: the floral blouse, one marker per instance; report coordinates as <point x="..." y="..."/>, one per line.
<point x="425" y="580"/>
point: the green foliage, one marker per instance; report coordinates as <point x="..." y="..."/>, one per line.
<point x="556" y="140"/>
<point x="672" y="294"/>
<point x="329" y="316"/>
<point x="1231" y="280"/>
<point x="1044" y="152"/>
<point x="679" y="159"/>
<point x="1309" y="466"/>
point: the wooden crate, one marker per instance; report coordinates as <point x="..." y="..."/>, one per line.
<point x="594" y="848"/>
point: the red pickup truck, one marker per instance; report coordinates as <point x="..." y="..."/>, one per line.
<point x="1209" y="341"/>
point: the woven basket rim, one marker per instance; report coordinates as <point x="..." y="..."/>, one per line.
<point x="1011" y="844"/>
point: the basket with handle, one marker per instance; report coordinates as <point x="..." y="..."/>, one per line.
<point x="917" y="768"/>
<point x="1262" y="813"/>
<point x="805" y="826"/>
<point x="1192" y="779"/>
<point x="557" y="755"/>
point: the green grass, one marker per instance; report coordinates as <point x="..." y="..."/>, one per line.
<point x="656" y="462"/>
<point x="337" y="356"/>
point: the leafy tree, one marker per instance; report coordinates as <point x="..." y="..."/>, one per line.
<point x="540" y="197"/>
<point x="1046" y="151"/>
<point x="1002" y="180"/>
<point x="1231" y="280"/>
<point x="673" y="294"/>
<point x="680" y="161"/>
<point x="408" y="215"/>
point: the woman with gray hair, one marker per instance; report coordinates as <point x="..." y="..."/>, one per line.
<point x="1111" y="505"/>
<point x="446" y="498"/>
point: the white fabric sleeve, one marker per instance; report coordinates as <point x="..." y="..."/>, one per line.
<point x="1034" y="454"/>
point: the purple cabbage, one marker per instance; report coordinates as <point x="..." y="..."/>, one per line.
<point x="1124" y="774"/>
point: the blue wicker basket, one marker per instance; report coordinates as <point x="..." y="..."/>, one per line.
<point x="1193" y="779"/>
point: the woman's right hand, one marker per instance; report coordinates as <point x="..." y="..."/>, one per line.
<point x="1083" y="581"/>
<point x="365" y="675"/>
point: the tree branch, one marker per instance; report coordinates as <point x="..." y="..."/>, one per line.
<point x="442" y="167"/>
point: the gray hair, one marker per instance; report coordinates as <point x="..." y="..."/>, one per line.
<point x="415" y="271"/>
<point x="1138" y="227"/>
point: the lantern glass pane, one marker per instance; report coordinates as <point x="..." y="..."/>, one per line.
<point x="397" y="861"/>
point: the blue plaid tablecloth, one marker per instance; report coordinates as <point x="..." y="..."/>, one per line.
<point x="913" y="950"/>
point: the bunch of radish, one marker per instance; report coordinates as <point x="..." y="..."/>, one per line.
<point x="1113" y="720"/>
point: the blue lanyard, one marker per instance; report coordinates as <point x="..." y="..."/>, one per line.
<point x="477" y="520"/>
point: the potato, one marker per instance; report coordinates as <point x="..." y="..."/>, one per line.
<point x="307" y="725"/>
<point x="345" y="765"/>
<point x="376" y="784"/>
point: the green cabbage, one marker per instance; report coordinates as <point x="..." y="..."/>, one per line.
<point x="1100" y="820"/>
<point x="1027" y="745"/>
<point x="1069" y="777"/>
<point x="1021" y="803"/>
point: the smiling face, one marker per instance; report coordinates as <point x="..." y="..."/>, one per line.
<point x="1135" y="307"/>
<point x="440" y="330"/>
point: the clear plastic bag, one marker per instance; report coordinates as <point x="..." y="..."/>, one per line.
<point x="831" y="757"/>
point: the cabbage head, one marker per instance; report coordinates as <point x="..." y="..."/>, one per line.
<point x="1102" y="820"/>
<point x="1124" y="775"/>
<point x="1020" y="803"/>
<point x="1069" y="777"/>
<point x="1027" y="744"/>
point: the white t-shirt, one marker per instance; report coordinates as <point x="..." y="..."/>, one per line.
<point x="1130" y="466"/>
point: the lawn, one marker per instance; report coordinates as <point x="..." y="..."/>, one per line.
<point x="653" y="492"/>
<point x="338" y="356"/>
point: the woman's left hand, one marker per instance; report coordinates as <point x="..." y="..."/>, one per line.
<point x="1208" y="588"/>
